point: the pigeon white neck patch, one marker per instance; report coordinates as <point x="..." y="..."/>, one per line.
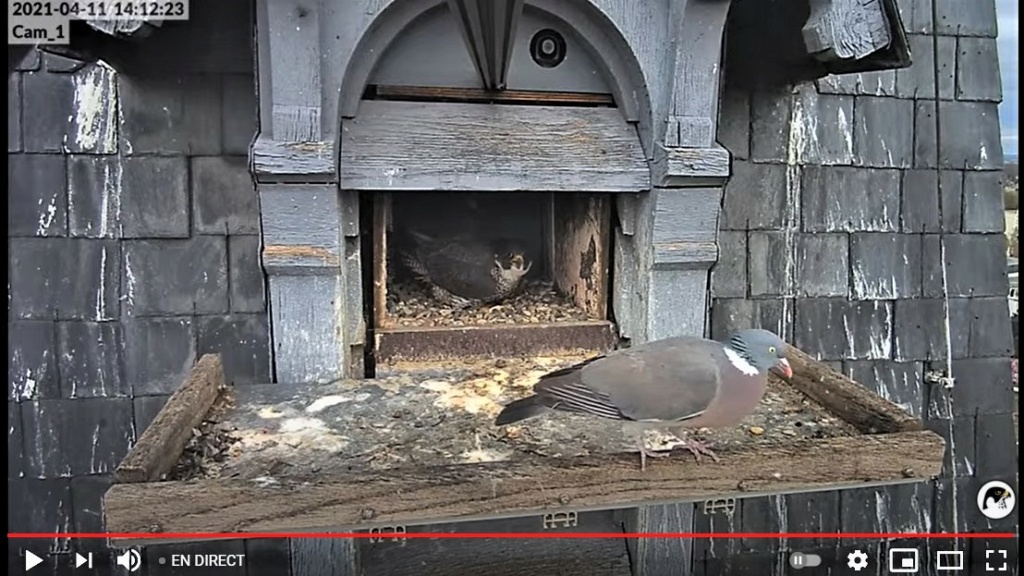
<point x="740" y="363"/>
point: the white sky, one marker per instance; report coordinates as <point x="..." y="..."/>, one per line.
<point x="1008" y="64"/>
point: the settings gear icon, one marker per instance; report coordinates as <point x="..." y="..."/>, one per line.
<point x="857" y="560"/>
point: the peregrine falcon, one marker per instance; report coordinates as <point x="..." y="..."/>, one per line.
<point x="463" y="271"/>
<point x="996" y="497"/>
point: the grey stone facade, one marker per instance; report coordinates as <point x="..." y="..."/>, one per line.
<point x="134" y="249"/>
<point x="835" y="237"/>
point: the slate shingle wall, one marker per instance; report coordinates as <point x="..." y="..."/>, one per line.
<point x="134" y="249"/>
<point x="831" y="231"/>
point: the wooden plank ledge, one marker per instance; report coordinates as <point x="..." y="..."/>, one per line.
<point x="161" y="445"/>
<point x="417" y="444"/>
<point x="533" y="484"/>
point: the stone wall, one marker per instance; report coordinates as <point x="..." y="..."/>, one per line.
<point x="833" y="229"/>
<point x="134" y="249"/>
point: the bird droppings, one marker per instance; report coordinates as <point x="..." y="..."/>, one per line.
<point x="441" y="413"/>
<point x="327" y="401"/>
<point x="410" y="305"/>
<point x="479" y="454"/>
<point x="269" y="412"/>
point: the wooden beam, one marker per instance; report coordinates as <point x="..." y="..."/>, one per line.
<point x="696" y="90"/>
<point x="161" y="445"/>
<point x="381" y="222"/>
<point x="582" y="227"/>
<point x="478" y="95"/>
<point x="454" y="342"/>
<point x="691" y="167"/>
<point x="305" y="162"/>
<point x="533" y="484"/>
<point x="846" y="29"/>
<point x="849" y="400"/>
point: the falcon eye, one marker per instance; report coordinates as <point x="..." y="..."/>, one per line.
<point x="771" y="349"/>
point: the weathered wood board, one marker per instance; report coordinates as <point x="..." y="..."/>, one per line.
<point x="582" y="235"/>
<point x="418" y="446"/>
<point x="428" y="146"/>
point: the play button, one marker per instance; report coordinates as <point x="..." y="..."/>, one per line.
<point x="31" y="560"/>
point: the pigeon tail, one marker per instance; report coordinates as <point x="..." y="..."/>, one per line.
<point x="522" y="409"/>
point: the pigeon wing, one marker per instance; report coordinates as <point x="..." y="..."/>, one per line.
<point x="669" y="380"/>
<point x="565" y="390"/>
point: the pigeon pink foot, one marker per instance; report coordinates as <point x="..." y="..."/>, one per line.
<point x="645" y="453"/>
<point x="699" y="449"/>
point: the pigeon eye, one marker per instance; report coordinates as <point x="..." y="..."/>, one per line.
<point x="771" y="349"/>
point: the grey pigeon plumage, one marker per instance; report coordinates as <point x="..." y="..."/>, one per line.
<point x="677" y="383"/>
<point x="464" y="271"/>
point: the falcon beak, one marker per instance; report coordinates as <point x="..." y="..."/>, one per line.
<point x="517" y="260"/>
<point x="784" y="367"/>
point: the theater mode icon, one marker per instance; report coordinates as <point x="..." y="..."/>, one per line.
<point x="952" y="560"/>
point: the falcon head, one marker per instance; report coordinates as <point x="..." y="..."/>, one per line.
<point x="763" y="349"/>
<point x="511" y="261"/>
<point x="997" y="496"/>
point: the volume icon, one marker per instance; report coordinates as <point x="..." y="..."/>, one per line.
<point x="83" y="560"/>
<point x="131" y="560"/>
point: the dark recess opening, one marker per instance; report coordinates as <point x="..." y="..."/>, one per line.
<point x="561" y="305"/>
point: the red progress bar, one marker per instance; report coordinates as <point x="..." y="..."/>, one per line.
<point x="510" y="535"/>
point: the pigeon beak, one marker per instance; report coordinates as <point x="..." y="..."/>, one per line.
<point x="784" y="367"/>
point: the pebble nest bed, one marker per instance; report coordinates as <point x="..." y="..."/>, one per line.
<point x="442" y="413"/>
<point x="411" y="304"/>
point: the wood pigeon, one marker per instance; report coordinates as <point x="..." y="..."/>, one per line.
<point x="467" y="271"/>
<point x="675" y="383"/>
